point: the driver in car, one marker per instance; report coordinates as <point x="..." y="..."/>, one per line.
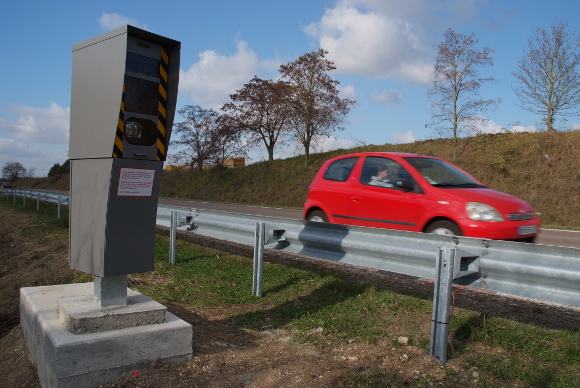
<point x="382" y="178"/>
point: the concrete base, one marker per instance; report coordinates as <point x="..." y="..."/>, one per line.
<point x="112" y="342"/>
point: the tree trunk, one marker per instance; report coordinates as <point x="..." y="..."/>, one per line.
<point x="270" y="153"/>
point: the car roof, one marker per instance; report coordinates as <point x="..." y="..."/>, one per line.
<point x="383" y="153"/>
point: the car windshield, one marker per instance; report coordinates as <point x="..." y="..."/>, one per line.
<point x="440" y="174"/>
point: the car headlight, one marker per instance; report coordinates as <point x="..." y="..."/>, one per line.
<point x="482" y="212"/>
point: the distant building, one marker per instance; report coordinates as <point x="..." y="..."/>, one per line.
<point x="234" y="162"/>
<point x="171" y="167"/>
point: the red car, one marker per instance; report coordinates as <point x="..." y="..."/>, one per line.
<point x="415" y="193"/>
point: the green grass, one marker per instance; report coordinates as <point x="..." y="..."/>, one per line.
<point x="47" y="212"/>
<point x="303" y="301"/>
<point x="292" y="298"/>
<point x="520" y="346"/>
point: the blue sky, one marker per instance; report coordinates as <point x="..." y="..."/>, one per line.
<point x="383" y="50"/>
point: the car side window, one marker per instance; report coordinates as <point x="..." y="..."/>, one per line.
<point x="340" y="169"/>
<point x="383" y="172"/>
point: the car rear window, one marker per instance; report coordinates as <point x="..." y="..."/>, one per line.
<point x="340" y="169"/>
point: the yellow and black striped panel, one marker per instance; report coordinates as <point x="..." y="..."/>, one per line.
<point x="118" y="146"/>
<point x="162" y="116"/>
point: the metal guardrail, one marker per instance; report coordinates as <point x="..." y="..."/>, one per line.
<point x="540" y="272"/>
<point x="44" y="195"/>
<point x="59" y="199"/>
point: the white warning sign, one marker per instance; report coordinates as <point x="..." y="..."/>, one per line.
<point x="135" y="182"/>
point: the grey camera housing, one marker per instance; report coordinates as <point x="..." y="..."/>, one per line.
<point x="123" y="97"/>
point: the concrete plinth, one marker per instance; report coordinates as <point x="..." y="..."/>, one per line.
<point x="112" y="342"/>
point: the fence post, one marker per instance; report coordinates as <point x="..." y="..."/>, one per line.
<point x="172" y="237"/>
<point x="259" y="242"/>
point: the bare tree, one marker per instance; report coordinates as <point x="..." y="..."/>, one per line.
<point x="13" y="170"/>
<point x="261" y="110"/>
<point x="195" y="136"/>
<point x="31" y="173"/>
<point x="548" y="82"/>
<point x="455" y="97"/>
<point x="316" y="108"/>
<point x="227" y="140"/>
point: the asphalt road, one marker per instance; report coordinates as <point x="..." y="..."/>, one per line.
<point x="563" y="238"/>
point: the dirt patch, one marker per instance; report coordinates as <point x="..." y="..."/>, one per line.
<point x="224" y="355"/>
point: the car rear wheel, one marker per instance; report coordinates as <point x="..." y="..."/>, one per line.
<point x="446" y="228"/>
<point x="317" y="216"/>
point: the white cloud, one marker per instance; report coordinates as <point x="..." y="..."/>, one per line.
<point x="29" y="156"/>
<point x="433" y="14"/>
<point x="403" y="137"/>
<point x="11" y="149"/>
<point x="483" y="126"/>
<point x="387" y="97"/>
<point x="363" y="39"/>
<point x="331" y="143"/>
<point x="347" y="92"/>
<point x="39" y="125"/>
<point x="521" y="128"/>
<point x="389" y="39"/>
<point x="576" y="127"/>
<point x="110" y="21"/>
<point x="214" y="77"/>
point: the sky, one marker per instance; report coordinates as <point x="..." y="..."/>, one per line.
<point x="384" y="51"/>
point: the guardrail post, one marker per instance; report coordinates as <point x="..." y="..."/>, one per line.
<point x="442" y="303"/>
<point x="24" y="198"/>
<point x="58" y="207"/>
<point x="259" y="243"/>
<point x="38" y="201"/>
<point x="172" y="236"/>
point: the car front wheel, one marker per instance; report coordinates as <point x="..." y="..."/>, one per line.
<point x="317" y="216"/>
<point x="446" y="228"/>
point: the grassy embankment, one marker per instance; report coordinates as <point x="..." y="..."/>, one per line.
<point x="541" y="168"/>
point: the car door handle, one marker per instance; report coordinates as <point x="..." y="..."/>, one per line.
<point x="356" y="199"/>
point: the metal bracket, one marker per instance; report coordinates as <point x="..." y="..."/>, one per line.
<point x="276" y="236"/>
<point x="188" y="219"/>
<point x="465" y="264"/>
